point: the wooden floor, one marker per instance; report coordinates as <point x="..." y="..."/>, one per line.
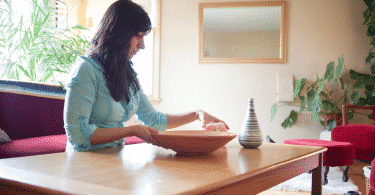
<point x="355" y="174"/>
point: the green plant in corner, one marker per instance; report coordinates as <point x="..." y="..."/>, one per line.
<point x="365" y="81"/>
<point x="324" y="96"/>
<point x="35" y="50"/>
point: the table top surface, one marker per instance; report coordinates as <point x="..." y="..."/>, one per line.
<point x="148" y="169"/>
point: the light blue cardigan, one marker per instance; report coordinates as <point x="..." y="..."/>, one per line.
<point x="89" y="105"/>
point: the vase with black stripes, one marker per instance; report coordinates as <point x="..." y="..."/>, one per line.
<point x="250" y="135"/>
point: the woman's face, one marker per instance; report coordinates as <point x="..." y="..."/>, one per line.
<point x="136" y="43"/>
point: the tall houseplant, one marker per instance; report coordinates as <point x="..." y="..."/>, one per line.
<point x="324" y="96"/>
<point x="365" y="81"/>
<point x="35" y="50"/>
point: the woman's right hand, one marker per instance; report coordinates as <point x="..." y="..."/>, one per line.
<point x="145" y="133"/>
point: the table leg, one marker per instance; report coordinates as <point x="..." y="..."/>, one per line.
<point x="325" y="179"/>
<point x="316" y="188"/>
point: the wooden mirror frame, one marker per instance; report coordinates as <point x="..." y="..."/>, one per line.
<point x="283" y="32"/>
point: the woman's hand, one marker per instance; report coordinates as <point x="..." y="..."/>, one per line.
<point x="145" y="133"/>
<point x="206" y="118"/>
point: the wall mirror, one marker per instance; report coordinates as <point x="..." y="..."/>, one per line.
<point x="242" y="32"/>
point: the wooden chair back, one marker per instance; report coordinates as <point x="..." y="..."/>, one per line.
<point x="345" y="108"/>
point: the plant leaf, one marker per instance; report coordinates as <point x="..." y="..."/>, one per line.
<point x="320" y="87"/>
<point x="324" y="94"/>
<point x="273" y="111"/>
<point x="299" y="86"/>
<point x="80" y="27"/>
<point x="331" y="124"/>
<point x="310" y="99"/>
<point x="371" y="101"/>
<point x="32" y="69"/>
<point x="314" y="84"/>
<point x="361" y="102"/>
<point x="329" y="74"/>
<point x="62" y="85"/>
<point x="369" y="57"/>
<point x="356" y="75"/>
<point x="24" y="71"/>
<point x="328" y="106"/>
<point x="354" y="97"/>
<point x="340" y="67"/>
<point x="369" y="116"/>
<point x="290" y="120"/>
<point x="323" y="123"/>
<point x="342" y="84"/>
<point x="37" y="28"/>
<point x="366" y="15"/>
<point x="17" y="75"/>
<point x="360" y="84"/>
<point x="316" y="104"/>
<point x="369" y="5"/>
<point x="350" y="115"/>
<point x="372" y="68"/>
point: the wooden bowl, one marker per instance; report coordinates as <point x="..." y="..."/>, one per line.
<point x="194" y="142"/>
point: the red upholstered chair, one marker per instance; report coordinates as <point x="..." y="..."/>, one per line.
<point x="362" y="136"/>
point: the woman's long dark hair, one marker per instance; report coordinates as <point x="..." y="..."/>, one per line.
<point x="122" y="21"/>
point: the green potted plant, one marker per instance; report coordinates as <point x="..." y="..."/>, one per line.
<point x="36" y="50"/>
<point x="323" y="98"/>
<point x="366" y="82"/>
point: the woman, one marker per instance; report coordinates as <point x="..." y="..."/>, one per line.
<point x="104" y="90"/>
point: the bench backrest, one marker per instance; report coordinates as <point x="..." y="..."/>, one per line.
<point x="24" y="116"/>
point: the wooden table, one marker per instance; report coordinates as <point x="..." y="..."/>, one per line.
<point x="148" y="169"/>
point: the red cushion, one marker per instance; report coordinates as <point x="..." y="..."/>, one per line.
<point x="133" y="140"/>
<point x="362" y="136"/>
<point x="338" y="153"/>
<point x="33" y="146"/>
<point x="43" y="145"/>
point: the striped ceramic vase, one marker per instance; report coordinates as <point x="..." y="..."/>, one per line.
<point x="250" y="134"/>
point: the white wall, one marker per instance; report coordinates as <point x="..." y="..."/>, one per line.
<point x="319" y="32"/>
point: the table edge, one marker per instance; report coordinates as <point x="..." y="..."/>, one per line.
<point x="219" y="185"/>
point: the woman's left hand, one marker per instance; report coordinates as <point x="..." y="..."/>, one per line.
<point x="206" y="118"/>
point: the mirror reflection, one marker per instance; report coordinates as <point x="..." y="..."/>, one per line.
<point x="242" y="32"/>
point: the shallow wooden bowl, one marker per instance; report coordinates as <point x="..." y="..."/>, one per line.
<point x="194" y="142"/>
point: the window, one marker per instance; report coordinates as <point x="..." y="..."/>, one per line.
<point x="28" y="38"/>
<point x="60" y="15"/>
<point x="5" y="22"/>
<point x="143" y="64"/>
<point x="156" y="21"/>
